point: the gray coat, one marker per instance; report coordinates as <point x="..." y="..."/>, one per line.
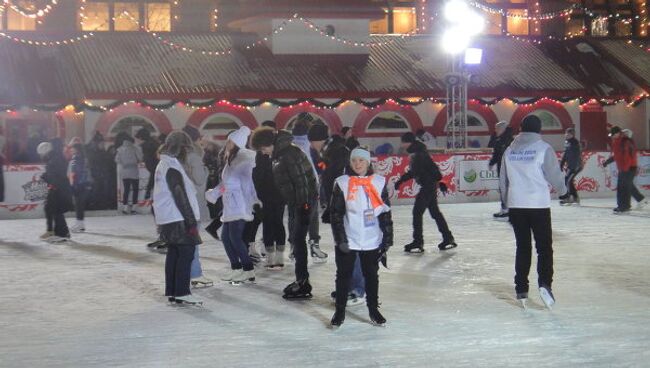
<point x="128" y="157"/>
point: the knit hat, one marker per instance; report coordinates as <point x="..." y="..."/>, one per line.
<point x="531" y="124"/>
<point x="627" y="132"/>
<point x="263" y="137"/>
<point x="192" y="132"/>
<point x="317" y="132"/>
<point x="360" y="153"/>
<point x="143" y="134"/>
<point x="408" y="138"/>
<point x="240" y="136"/>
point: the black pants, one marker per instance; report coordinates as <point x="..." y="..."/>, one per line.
<point x="130" y="185"/>
<point x="634" y="191"/>
<point x="344" y="269"/>
<point x="538" y="221"/>
<point x="569" y="180"/>
<point x="250" y="230"/>
<point x="624" y="189"/>
<point x="299" y="228"/>
<point x="427" y="199"/>
<point x="150" y="182"/>
<point x="80" y="201"/>
<point x="273" y="226"/>
<point x="177" y="269"/>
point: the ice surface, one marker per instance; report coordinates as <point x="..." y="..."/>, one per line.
<point x="98" y="301"/>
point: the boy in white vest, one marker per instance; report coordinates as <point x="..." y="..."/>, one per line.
<point x="362" y="227"/>
<point x="528" y="166"/>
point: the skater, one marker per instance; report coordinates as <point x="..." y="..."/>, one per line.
<point x="624" y="154"/>
<point x="81" y="182"/>
<point x="427" y="175"/>
<point x="363" y="228"/>
<point x="59" y="193"/>
<point x="176" y="211"/>
<point x="301" y="139"/>
<point x="212" y="160"/>
<point x="499" y="142"/>
<point x="294" y="177"/>
<point x="351" y="141"/>
<point x="127" y="158"/>
<point x="529" y="166"/>
<point x="572" y="165"/>
<point x="640" y="199"/>
<point x="427" y="138"/>
<point x="238" y="193"/>
<point x="149" y="147"/>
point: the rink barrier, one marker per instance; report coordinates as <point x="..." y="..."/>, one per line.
<point x="467" y="176"/>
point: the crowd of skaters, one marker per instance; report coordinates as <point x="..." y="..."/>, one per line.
<point x="257" y="176"/>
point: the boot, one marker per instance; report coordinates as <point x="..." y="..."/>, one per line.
<point x="213" y="230"/>
<point x="78" y="227"/>
<point x="447" y="244"/>
<point x="375" y="317"/>
<point x="339" y="317"/>
<point x="270" y="260"/>
<point x="414" y="247"/>
<point x="279" y="259"/>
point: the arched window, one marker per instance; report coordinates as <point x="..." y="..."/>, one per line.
<point x="549" y="120"/>
<point x="475" y="123"/>
<point x="310" y="117"/>
<point x="388" y="121"/>
<point x="131" y="124"/>
<point x="219" y="124"/>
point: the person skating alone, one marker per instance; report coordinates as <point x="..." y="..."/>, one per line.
<point x="176" y="211"/>
<point x="499" y="142"/>
<point x="59" y="192"/>
<point x="427" y="175"/>
<point x="127" y="158"/>
<point x="239" y="196"/>
<point x="295" y="179"/>
<point x="529" y="166"/>
<point x="624" y="154"/>
<point x="363" y="228"/>
<point x="81" y="182"/>
<point x="571" y="163"/>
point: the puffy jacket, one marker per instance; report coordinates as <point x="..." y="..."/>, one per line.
<point x="265" y="186"/>
<point x="213" y="165"/>
<point x="128" y="157"/>
<point x="336" y="158"/>
<point x="292" y="172"/>
<point x="195" y="168"/>
<point x="338" y="210"/>
<point x="179" y="232"/>
<point x="572" y="156"/>
<point x="421" y="167"/>
<point x="499" y="144"/>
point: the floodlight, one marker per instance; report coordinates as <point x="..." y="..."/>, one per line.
<point x="455" y="10"/>
<point x="455" y="40"/>
<point x="473" y="56"/>
<point x="473" y="23"/>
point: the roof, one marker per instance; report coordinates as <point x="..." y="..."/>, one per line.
<point x="135" y="65"/>
<point x="630" y="56"/>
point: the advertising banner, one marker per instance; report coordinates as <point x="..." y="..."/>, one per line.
<point x="476" y="175"/>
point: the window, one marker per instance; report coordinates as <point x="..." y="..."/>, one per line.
<point x="219" y="124"/>
<point x="127" y="16"/>
<point x="549" y="120"/>
<point x="94" y="17"/>
<point x="574" y="26"/>
<point x="492" y="23"/>
<point x="18" y="22"/>
<point x="158" y="17"/>
<point x="599" y="27"/>
<point x="399" y="20"/>
<point x="380" y="26"/>
<point x="475" y="123"/>
<point x="131" y="125"/>
<point x="623" y="28"/>
<point x="308" y="116"/>
<point x="517" y="26"/>
<point x="389" y="121"/>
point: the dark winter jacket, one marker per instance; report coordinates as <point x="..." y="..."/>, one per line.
<point x="181" y="232"/>
<point x="212" y="162"/>
<point x="572" y="156"/>
<point x="79" y="171"/>
<point x="292" y="172"/>
<point x="499" y="144"/>
<point x="267" y="191"/>
<point x="338" y="210"/>
<point x="150" y="153"/>
<point x="352" y="143"/>
<point x="421" y="167"/>
<point x="336" y="158"/>
<point x="59" y="195"/>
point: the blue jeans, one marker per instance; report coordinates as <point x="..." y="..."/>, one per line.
<point x="196" y="270"/>
<point x="357" y="282"/>
<point x="232" y="235"/>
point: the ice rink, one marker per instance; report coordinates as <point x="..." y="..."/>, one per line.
<point x="97" y="301"/>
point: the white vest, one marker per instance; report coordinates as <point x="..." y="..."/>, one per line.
<point x="527" y="186"/>
<point x="164" y="207"/>
<point x="359" y="236"/>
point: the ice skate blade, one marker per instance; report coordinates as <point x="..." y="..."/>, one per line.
<point x="448" y="247"/>
<point x="547" y="299"/>
<point x="298" y="297"/>
<point x="245" y="282"/>
<point x="317" y="260"/>
<point x="274" y="268"/>
<point x="190" y="304"/>
<point x="524" y="303"/>
<point x="202" y="285"/>
<point x="377" y="324"/>
<point x="414" y="251"/>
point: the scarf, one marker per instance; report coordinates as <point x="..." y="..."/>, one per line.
<point x="366" y="184"/>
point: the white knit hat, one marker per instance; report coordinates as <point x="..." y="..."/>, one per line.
<point x="360" y="153"/>
<point x="240" y="136"/>
<point x="628" y="133"/>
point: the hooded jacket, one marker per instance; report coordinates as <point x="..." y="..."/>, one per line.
<point x="421" y="167"/>
<point x="572" y="156"/>
<point x="529" y="165"/>
<point x="128" y="157"/>
<point x="292" y="172"/>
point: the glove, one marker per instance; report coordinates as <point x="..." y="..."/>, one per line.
<point x="397" y="185"/>
<point x="257" y="208"/>
<point x="344" y="247"/>
<point x="443" y="188"/>
<point x="605" y="164"/>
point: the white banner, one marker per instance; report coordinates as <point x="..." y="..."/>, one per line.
<point x="643" y="178"/>
<point x="476" y="175"/>
<point x="23" y="184"/>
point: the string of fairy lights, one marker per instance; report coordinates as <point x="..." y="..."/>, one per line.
<point x="31" y="13"/>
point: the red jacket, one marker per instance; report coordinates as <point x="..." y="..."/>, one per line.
<point x="624" y="152"/>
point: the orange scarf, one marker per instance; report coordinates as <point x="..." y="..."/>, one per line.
<point x="366" y="184"/>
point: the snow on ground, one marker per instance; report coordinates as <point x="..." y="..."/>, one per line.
<point x="97" y="302"/>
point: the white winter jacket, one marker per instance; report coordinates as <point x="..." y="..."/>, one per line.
<point x="128" y="157"/>
<point x="236" y="188"/>
<point x="164" y="207"/>
<point x="528" y="166"/>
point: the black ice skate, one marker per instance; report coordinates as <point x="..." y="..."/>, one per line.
<point x="188" y="300"/>
<point x="300" y="289"/>
<point x="415" y="247"/>
<point x="338" y="318"/>
<point x="447" y="244"/>
<point x="376" y="318"/>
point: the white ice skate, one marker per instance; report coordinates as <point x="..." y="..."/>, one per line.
<point x="244" y="277"/>
<point x="317" y="255"/>
<point x="231" y="275"/>
<point x="189" y="300"/>
<point x="547" y="297"/>
<point x="46" y="235"/>
<point x="641" y="205"/>
<point x="522" y="298"/>
<point x="79" y="227"/>
<point x="201" y="282"/>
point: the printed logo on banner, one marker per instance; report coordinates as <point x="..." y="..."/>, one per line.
<point x="35" y="190"/>
<point x="470" y="175"/>
<point x="477" y="176"/>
